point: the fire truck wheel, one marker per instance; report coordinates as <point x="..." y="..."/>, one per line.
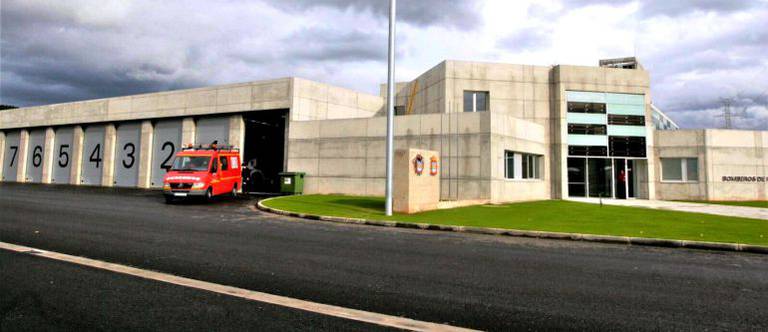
<point x="234" y="191"/>
<point x="209" y="194"/>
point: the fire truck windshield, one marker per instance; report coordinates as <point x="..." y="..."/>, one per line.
<point x="190" y="163"/>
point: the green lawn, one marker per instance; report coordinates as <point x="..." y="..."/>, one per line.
<point x="555" y="216"/>
<point x="760" y="204"/>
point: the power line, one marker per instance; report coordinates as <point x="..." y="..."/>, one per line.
<point x="728" y="113"/>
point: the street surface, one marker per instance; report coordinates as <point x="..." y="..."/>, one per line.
<point x="43" y="294"/>
<point x="475" y="281"/>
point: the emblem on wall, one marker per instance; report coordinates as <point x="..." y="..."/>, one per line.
<point x="433" y="166"/>
<point x="418" y="164"/>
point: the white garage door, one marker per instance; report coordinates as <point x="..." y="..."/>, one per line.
<point x="93" y="155"/>
<point x="35" y="156"/>
<point x="127" y="154"/>
<point x="212" y="129"/>
<point x="167" y="141"/>
<point x="62" y="155"/>
<point x="11" y="162"/>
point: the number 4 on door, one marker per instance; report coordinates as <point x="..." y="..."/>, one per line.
<point x="96" y="155"/>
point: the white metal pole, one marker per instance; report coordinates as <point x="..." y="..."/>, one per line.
<point x="390" y="105"/>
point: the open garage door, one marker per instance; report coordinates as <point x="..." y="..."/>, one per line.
<point x="167" y="141"/>
<point x="264" y="150"/>
<point x="35" y="150"/>
<point x="93" y="155"/>
<point x="212" y="129"/>
<point x="11" y="162"/>
<point x="62" y="155"/>
<point x="127" y="154"/>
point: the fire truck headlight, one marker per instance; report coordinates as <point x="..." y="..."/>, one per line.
<point x="166" y="186"/>
<point x="198" y="185"/>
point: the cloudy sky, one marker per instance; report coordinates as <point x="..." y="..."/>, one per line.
<point x="697" y="51"/>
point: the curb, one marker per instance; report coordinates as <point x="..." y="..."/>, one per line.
<point x="641" y="241"/>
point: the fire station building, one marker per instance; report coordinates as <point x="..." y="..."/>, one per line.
<point x="505" y="132"/>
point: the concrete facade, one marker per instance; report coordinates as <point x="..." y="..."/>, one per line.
<point x="336" y="135"/>
<point x="347" y="156"/>
<point x="732" y="164"/>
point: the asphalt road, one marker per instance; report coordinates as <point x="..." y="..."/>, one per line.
<point x="40" y="294"/>
<point x="484" y="282"/>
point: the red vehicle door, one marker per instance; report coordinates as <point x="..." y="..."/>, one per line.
<point x="229" y="172"/>
<point x="215" y="176"/>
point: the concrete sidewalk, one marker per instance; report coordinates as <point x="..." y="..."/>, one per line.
<point x="718" y="209"/>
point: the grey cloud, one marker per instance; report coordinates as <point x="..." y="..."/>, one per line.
<point x="722" y="67"/>
<point x="681" y="7"/>
<point x="462" y="14"/>
<point x="37" y="71"/>
<point x="753" y="117"/>
<point x="54" y="79"/>
<point x="323" y="44"/>
<point x="649" y="8"/>
<point x="49" y="56"/>
<point x="689" y="79"/>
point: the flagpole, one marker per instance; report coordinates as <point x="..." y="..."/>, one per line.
<point x="390" y="105"/>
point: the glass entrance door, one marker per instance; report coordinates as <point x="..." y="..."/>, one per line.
<point x="631" y="179"/>
<point x="604" y="177"/>
<point x="620" y="174"/>
<point x="599" y="175"/>
<point x="624" y="178"/>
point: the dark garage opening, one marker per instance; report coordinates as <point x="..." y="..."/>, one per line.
<point x="264" y="150"/>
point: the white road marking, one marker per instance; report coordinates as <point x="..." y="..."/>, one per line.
<point x="324" y="309"/>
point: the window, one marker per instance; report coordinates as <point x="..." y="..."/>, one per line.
<point x="680" y="169"/>
<point x="476" y="101"/>
<point x="531" y="166"/>
<point x="522" y="165"/>
<point x="191" y="163"/>
<point x="399" y="110"/>
<point x="626" y="146"/>
<point x="584" y="150"/>
<point x="577" y="178"/>
<point x="509" y="164"/>
<point x="577" y="107"/>
<point x="586" y="129"/>
<point x="215" y="167"/>
<point x="692" y="169"/>
<point x="626" y="120"/>
<point x="224" y="163"/>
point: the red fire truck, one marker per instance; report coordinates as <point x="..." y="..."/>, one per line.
<point x="203" y="171"/>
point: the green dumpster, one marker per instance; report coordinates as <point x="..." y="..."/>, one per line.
<point x="292" y="183"/>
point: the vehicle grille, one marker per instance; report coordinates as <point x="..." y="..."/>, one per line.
<point x="181" y="186"/>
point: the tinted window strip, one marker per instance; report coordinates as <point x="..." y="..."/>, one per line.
<point x="579" y="107"/>
<point x="587" y="129"/>
<point x="626" y="120"/>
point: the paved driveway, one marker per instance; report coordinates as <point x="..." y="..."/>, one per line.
<point x="719" y="209"/>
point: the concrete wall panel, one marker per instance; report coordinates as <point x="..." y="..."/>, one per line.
<point x="62" y="155"/>
<point x="2" y="153"/>
<point x="36" y="150"/>
<point x="127" y="154"/>
<point x="212" y="129"/>
<point x="93" y="155"/>
<point x="50" y="136"/>
<point x="11" y="158"/>
<point x="166" y="142"/>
